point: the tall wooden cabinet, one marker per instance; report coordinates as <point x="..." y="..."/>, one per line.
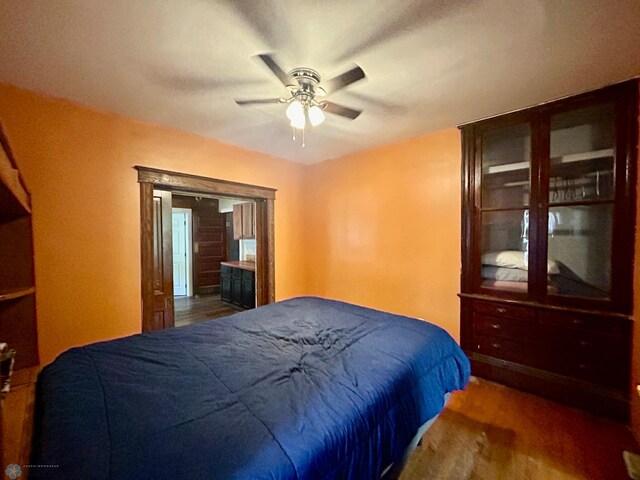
<point x="17" y="284"/>
<point x="548" y="245"/>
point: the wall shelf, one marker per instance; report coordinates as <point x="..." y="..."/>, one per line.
<point x="605" y="153"/>
<point x="14" y="294"/>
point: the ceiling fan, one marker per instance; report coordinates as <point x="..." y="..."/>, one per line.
<point x="306" y="100"/>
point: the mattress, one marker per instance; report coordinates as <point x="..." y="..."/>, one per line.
<point x="302" y="389"/>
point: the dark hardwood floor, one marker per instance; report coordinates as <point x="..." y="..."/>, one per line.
<point x="492" y="432"/>
<point x="197" y="309"/>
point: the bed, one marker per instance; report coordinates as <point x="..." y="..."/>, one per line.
<point x="306" y="388"/>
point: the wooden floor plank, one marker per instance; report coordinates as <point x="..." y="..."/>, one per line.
<point x="200" y="308"/>
<point x="493" y="432"/>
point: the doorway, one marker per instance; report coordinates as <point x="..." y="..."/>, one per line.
<point x="222" y="240"/>
<point x="157" y="280"/>
<point x="182" y="245"/>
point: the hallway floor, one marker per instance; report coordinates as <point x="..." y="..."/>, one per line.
<point x="199" y="308"/>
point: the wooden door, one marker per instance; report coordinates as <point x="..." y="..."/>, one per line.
<point x="180" y="239"/>
<point x="248" y="215"/>
<point x="225" y="286"/>
<point x="162" y="261"/>
<point x="237" y="222"/>
<point x="248" y="289"/>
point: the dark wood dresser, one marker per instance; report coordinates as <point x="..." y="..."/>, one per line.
<point x="548" y="213"/>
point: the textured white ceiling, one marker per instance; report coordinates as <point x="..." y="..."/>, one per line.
<point x="429" y="64"/>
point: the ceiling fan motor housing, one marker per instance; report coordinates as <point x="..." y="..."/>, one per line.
<point x="304" y="76"/>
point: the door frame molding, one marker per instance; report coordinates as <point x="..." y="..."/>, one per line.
<point x="264" y="197"/>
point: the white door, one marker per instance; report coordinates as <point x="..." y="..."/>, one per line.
<point x="181" y="251"/>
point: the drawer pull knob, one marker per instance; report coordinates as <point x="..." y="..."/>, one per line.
<point x="495" y="345"/>
<point x="501" y="310"/>
<point x="577" y="321"/>
<point x="583" y="366"/>
<point x="496" y="326"/>
<point x="585" y="343"/>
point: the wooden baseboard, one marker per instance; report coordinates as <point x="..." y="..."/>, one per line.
<point x="569" y="391"/>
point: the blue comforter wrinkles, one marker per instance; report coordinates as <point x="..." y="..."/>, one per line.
<point x="301" y="389"/>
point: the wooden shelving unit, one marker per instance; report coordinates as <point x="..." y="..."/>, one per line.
<point x="17" y="283"/>
<point x="17" y="287"/>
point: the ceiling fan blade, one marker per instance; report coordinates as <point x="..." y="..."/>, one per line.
<point x="257" y="101"/>
<point x="341" y="110"/>
<point x="347" y="78"/>
<point x="271" y="63"/>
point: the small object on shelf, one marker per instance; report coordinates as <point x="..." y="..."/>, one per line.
<point x="7" y="359"/>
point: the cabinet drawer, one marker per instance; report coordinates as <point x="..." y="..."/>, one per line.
<point x="596" y="323"/>
<point x="518" y="352"/>
<point x="582" y="342"/>
<point x="225" y="269"/>
<point x="506" y="327"/>
<point x="504" y="310"/>
<point x="593" y="367"/>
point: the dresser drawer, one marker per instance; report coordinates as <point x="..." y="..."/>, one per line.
<point x="595" y="323"/>
<point x="516" y="330"/>
<point x="586" y="342"/>
<point x="593" y="367"/>
<point x="517" y="352"/>
<point x="504" y="310"/>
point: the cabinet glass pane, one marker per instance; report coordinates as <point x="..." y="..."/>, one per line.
<point x="582" y="155"/>
<point x="505" y="250"/>
<point x="579" y="250"/>
<point x="506" y="166"/>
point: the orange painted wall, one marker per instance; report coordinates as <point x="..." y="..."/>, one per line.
<point x="384" y="229"/>
<point x="78" y="164"/>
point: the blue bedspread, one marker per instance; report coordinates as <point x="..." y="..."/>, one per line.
<point x="302" y="389"/>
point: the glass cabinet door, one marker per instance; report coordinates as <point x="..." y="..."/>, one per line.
<point x="505" y="196"/>
<point x="581" y="201"/>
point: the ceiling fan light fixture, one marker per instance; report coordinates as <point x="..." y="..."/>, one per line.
<point x="295" y="111"/>
<point x="299" y="122"/>
<point x="316" y="115"/>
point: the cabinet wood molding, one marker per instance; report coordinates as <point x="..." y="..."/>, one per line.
<point x="177" y="182"/>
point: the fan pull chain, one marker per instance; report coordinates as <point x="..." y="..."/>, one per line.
<point x="303" y="138"/>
